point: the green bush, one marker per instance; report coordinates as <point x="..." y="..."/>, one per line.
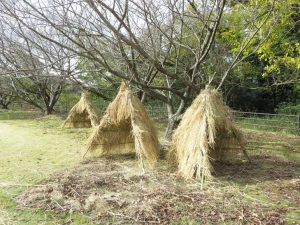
<point x="288" y="108"/>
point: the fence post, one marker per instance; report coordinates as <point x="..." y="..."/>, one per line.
<point x="298" y="123"/>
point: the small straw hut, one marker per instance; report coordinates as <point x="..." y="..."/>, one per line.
<point x="83" y="114"/>
<point x="205" y="134"/>
<point x="125" y="128"/>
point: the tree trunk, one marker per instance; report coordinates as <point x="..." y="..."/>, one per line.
<point x="175" y="118"/>
<point x="49" y="110"/>
<point x="172" y="125"/>
<point x="173" y="122"/>
<point x="4" y="106"/>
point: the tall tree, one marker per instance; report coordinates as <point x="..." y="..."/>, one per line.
<point x="38" y="70"/>
<point x="276" y="45"/>
<point x="269" y="72"/>
<point x="7" y="95"/>
<point x="144" y="42"/>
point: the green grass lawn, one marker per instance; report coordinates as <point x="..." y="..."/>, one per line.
<point x="12" y="115"/>
<point x="32" y="150"/>
<point x="279" y="124"/>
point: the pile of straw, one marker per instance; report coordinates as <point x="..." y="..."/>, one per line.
<point x="205" y="134"/>
<point x="83" y="114"/>
<point x="124" y="128"/>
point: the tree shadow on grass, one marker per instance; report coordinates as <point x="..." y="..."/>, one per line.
<point x="261" y="168"/>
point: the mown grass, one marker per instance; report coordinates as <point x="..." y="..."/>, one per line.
<point x="15" y="115"/>
<point x="31" y="150"/>
<point x="281" y="124"/>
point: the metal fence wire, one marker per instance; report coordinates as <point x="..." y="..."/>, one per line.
<point x="246" y="120"/>
<point x="268" y="121"/>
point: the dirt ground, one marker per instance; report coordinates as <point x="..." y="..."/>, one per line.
<point x="115" y="191"/>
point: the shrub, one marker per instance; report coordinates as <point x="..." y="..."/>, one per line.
<point x="288" y="108"/>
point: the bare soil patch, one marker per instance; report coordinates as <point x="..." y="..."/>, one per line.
<point x="115" y="191"/>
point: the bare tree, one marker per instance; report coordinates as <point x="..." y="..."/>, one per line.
<point x="7" y="96"/>
<point x="37" y="70"/>
<point x="140" y="41"/>
<point x="160" y="47"/>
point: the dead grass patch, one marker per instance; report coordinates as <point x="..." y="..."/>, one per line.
<point x="112" y="190"/>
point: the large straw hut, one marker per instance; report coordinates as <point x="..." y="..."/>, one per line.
<point x="125" y="128"/>
<point x="205" y="134"/>
<point x="83" y="114"/>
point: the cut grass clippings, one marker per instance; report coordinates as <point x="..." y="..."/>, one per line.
<point x="113" y="190"/>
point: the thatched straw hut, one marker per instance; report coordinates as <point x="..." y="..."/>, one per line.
<point x="205" y="134"/>
<point x="124" y="128"/>
<point x="83" y="114"/>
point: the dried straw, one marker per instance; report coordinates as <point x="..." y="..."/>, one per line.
<point x="125" y="127"/>
<point x="205" y="134"/>
<point x="83" y="114"/>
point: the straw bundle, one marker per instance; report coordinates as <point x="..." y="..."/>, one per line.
<point x="205" y="134"/>
<point x="125" y="127"/>
<point x="83" y="114"/>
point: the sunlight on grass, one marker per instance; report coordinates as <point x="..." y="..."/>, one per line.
<point x="32" y="150"/>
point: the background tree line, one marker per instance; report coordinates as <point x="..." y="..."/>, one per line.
<point x="167" y="50"/>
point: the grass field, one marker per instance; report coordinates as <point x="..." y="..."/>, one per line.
<point x="30" y="151"/>
<point x="280" y="124"/>
<point x="13" y="115"/>
<point x="37" y="154"/>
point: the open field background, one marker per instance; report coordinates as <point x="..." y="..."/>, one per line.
<point x="36" y="152"/>
<point x="282" y="123"/>
<point x="30" y="151"/>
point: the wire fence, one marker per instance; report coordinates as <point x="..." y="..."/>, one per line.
<point x="246" y="120"/>
<point x="268" y="122"/>
<point x="251" y="120"/>
<point x="19" y="115"/>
